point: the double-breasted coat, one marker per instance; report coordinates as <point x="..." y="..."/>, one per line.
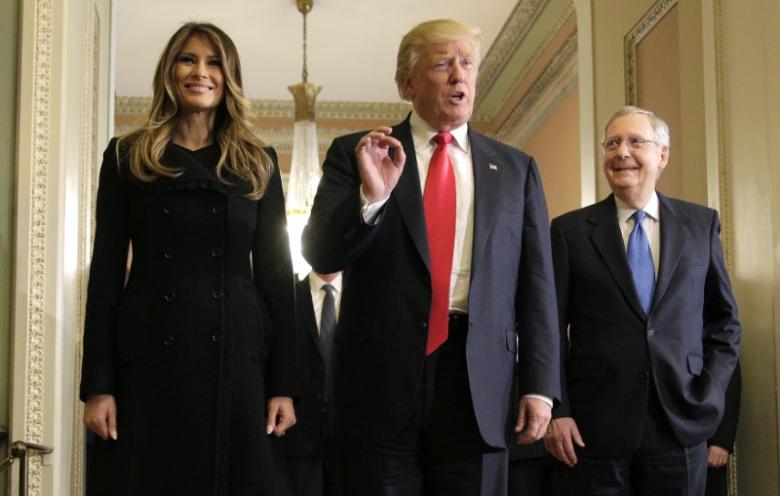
<point x="196" y="336"/>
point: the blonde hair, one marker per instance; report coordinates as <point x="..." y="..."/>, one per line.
<point x="660" y="128"/>
<point x="427" y="33"/>
<point x="241" y="151"/>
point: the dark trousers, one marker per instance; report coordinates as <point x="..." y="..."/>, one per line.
<point x="717" y="482"/>
<point x="542" y="476"/>
<point x="659" y="467"/>
<point x="440" y="452"/>
<point x="313" y="475"/>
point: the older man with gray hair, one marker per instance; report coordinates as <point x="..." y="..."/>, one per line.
<point x="445" y="232"/>
<point x="649" y="324"/>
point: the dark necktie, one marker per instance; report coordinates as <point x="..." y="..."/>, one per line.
<point x="327" y="322"/>
<point x="641" y="261"/>
<point x="439" y="205"/>
<point x="327" y="328"/>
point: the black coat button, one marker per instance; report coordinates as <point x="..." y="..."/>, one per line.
<point x="217" y="294"/>
<point x="216" y="210"/>
<point x="643" y="375"/>
<point x="170" y="297"/>
<point x="166" y="211"/>
<point x="169" y="340"/>
<point x="216" y="253"/>
<point x="168" y="255"/>
<point x="216" y="338"/>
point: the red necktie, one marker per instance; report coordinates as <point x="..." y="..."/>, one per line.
<point x="439" y="205"/>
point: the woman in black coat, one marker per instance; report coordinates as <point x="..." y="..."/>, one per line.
<point x="189" y="358"/>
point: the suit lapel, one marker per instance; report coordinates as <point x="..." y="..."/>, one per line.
<point x="608" y="242"/>
<point x="486" y="182"/>
<point x="674" y="235"/>
<point x="408" y="193"/>
<point x="306" y="312"/>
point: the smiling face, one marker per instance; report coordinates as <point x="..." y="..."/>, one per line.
<point x="633" y="171"/>
<point x="198" y="76"/>
<point x="441" y="86"/>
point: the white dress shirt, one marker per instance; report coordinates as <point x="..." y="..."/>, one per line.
<point x="651" y="224"/>
<point x="318" y="295"/>
<point x="459" y="152"/>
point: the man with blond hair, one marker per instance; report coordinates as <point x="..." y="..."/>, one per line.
<point x="646" y="309"/>
<point x="445" y="232"/>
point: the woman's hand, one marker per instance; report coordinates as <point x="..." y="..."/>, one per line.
<point x="281" y="415"/>
<point x="100" y="415"/>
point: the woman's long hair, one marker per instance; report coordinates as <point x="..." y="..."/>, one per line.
<point x="241" y="151"/>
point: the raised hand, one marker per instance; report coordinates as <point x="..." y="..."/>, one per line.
<point x="379" y="172"/>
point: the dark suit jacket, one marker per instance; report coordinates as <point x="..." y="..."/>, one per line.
<point x="311" y="411"/>
<point x="381" y="334"/>
<point x="687" y="346"/>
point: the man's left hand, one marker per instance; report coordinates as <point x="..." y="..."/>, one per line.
<point x="532" y="420"/>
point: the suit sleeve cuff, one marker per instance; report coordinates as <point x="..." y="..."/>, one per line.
<point x="371" y="212"/>
<point x="546" y="399"/>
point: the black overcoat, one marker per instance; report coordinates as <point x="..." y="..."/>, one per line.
<point x="195" y="338"/>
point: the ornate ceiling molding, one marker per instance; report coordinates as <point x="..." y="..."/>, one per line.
<point x="511" y="36"/>
<point x="555" y="82"/>
<point x="568" y="12"/>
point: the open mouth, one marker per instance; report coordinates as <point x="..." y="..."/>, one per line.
<point x="458" y="97"/>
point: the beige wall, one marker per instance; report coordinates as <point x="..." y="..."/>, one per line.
<point x="669" y="77"/>
<point x="658" y="88"/>
<point x="555" y="147"/>
<point x="751" y="118"/>
<point x="727" y="89"/>
<point x="9" y="30"/>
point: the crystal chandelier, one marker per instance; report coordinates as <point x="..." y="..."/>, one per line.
<point x="305" y="170"/>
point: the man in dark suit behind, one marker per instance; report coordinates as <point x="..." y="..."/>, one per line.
<point x="652" y="324"/>
<point x="306" y="453"/>
<point x="431" y="309"/>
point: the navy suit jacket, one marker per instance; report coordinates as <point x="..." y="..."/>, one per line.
<point x="687" y="345"/>
<point x="381" y="334"/>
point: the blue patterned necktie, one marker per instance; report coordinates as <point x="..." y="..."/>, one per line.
<point x="641" y="262"/>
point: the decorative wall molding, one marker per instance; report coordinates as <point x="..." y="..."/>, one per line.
<point x="553" y="84"/>
<point x="511" y="36"/>
<point x="88" y="148"/>
<point x="724" y="192"/>
<point x="646" y="24"/>
<point x="523" y="76"/>
<point x="263" y="109"/>
<point x="42" y="80"/>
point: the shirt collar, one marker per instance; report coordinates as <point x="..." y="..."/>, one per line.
<point x="625" y="212"/>
<point x="423" y="133"/>
<point x="315" y="283"/>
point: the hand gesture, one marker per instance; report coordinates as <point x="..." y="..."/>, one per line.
<point x="379" y="172"/>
